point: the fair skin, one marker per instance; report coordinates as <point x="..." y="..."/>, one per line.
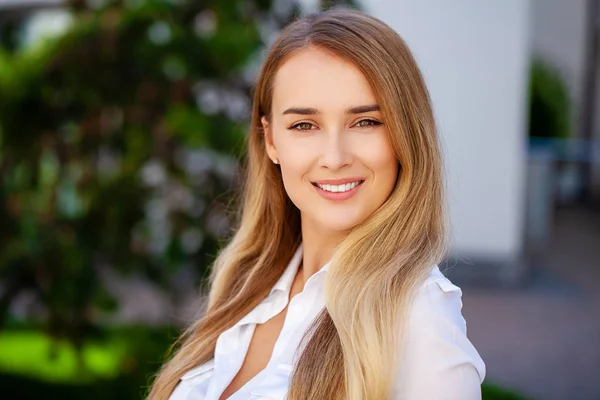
<point x="325" y="125"/>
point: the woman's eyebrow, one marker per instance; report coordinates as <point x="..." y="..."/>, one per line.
<point x="363" y="109"/>
<point x="314" y="111"/>
<point x="301" y="111"/>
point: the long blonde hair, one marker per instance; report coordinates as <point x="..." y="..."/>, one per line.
<point x="355" y="343"/>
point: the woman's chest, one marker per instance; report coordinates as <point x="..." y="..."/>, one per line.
<point x="273" y="384"/>
<point x="258" y="354"/>
<point x="261" y="362"/>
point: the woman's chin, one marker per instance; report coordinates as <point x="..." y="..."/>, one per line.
<point x="339" y="224"/>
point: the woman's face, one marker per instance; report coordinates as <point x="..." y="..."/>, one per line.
<point x="330" y="139"/>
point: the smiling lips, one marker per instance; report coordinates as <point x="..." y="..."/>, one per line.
<point x="338" y="189"/>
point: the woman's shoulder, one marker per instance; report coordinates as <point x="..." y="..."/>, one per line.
<point x="438" y="278"/>
<point x="437" y="304"/>
<point x="437" y="348"/>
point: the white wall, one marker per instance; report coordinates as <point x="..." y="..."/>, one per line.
<point x="474" y="55"/>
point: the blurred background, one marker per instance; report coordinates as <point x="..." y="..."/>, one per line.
<point x="121" y="127"/>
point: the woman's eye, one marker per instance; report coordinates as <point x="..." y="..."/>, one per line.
<point x="303" y="126"/>
<point x="364" y="123"/>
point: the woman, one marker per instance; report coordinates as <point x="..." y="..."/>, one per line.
<point x="329" y="288"/>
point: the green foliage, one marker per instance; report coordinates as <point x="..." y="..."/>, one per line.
<point x="493" y="392"/>
<point x="328" y="4"/>
<point x="119" y="366"/>
<point x="118" y="150"/>
<point x="549" y="103"/>
<point x="33" y="354"/>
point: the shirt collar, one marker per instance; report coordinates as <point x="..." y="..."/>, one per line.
<point x="284" y="283"/>
<point x="283" y="286"/>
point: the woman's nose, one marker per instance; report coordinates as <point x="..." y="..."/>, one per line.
<point x="335" y="153"/>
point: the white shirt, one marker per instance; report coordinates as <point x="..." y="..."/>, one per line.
<point x="438" y="361"/>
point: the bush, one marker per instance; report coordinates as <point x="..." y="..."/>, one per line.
<point x="118" y="150"/>
<point x="549" y="103"/>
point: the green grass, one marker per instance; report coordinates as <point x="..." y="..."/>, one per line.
<point x="119" y="366"/>
<point x="35" y="355"/>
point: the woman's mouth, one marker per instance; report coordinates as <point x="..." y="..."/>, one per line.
<point x="338" y="188"/>
<point x="336" y="192"/>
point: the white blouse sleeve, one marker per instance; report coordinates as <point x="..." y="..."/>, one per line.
<point x="438" y="361"/>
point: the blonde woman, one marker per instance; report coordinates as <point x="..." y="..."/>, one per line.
<point x="330" y="287"/>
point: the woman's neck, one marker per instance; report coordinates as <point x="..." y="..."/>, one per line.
<point x="318" y="246"/>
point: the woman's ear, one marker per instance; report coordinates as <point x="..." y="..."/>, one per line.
<point x="269" y="145"/>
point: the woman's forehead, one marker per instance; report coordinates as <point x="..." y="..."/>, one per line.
<point x="314" y="78"/>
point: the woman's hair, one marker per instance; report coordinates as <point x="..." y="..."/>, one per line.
<point x="355" y="343"/>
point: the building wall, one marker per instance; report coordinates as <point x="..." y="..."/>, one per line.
<point x="475" y="57"/>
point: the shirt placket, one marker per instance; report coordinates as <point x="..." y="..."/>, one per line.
<point x="298" y="310"/>
<point x="228" y="359"/>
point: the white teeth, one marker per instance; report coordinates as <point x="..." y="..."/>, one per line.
<point x="338" y="188"/>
